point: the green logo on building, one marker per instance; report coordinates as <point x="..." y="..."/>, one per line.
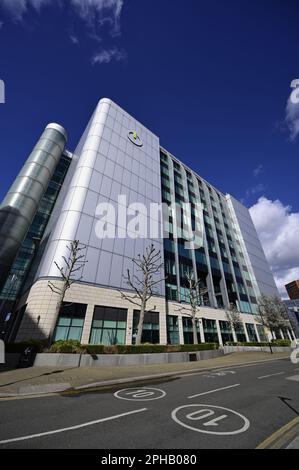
<point x="135" y="139"/>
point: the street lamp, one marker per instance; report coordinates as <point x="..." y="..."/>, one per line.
<point x="262" y="318"/>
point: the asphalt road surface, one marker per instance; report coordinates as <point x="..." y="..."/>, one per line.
<point x="229" y="408"/>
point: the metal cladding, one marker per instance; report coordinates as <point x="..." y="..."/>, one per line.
<point x="23" y="198"/>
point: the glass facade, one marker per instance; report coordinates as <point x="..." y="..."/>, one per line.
<point x="108" y="326"/>
<point x="70" y="322"/>
<point x="30" y="245"/>
<point x="150" y="331"/>
<point x="240" y="333"/>
<point x="261" y="333"/>
<point x="251" y="332"/>
<point x="210" y="331"/>
<point x="29" y="248"/>
<point x="172" y="329"/>
<point x="220" y="258"/>
<point x="188" y="331"/>
<point x="226" y="331"/>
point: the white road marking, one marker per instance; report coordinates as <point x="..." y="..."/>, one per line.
<point x="140" y="394"/>
<point x="293" y="377"/>
<point x="56" y="431"/>
<point x="270" y="375"/>
<point x="213" y="391"/>
<point x="204" y="411"/>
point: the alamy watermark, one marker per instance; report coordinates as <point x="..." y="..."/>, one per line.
<point x="156" y="220"/>
<point x="2" y="352"/>
<point x="295" y="356"/>
<point x="294" y="97"/>
<point x="2" y="92"/>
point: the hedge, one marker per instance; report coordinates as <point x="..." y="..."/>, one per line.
<point x="283" y="343"/>
<point x="147" y="348"/>
<point x="74" y="347"/>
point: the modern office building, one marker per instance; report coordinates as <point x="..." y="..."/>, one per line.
<point x="120" y="164"/>
<point x="293" y="289"/>
<point x="293" y="310"/>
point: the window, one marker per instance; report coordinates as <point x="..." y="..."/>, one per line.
<point x="210" y="331"/>
<point x="261" y="333"/>
<point x="150" y="331"/>
<point x="240" y="333"/>
<point x="108" y="326"/>
<point x="188" y="331"/>
<point x="251" y="332"/>
<point x="172" y="329"/>
<point x="226" y="332"/>
<point x="70" y="322"/>
<point x="171" y="292"/>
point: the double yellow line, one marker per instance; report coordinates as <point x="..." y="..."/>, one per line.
<point x="282" y="437"/>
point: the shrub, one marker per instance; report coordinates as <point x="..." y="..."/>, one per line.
<point x="281" y="342"/>
<point x="284" y="342"/>
<point x="94" y="348"/>
<point x="199" y="347"/>
<point x="66" y="346"/>
<point x="146" y="348"/>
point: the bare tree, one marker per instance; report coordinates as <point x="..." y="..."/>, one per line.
<point x="143" y="284"/>
<point x="195" y="297"/>
<point x="234" y="318"/>
<point x="71" y="265"/>
<point x="272" y="313"/>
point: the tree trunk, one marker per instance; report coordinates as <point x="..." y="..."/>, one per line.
<point x="57" y="310"/>
<point x="140" y="323"/>
<point x="195" y="339"/>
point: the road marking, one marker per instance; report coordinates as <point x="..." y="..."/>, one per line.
<point x="205" y="411"/>
<point x="293" y="377"/>
<point x="279" y="435"/>
<point x="270" y="375"/>
<point x="213" y="391"/>
<point x="84" y="425"/>
<point x="140" y="394"/>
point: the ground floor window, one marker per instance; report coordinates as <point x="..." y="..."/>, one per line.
<point x="172" y="329"/>
<point x="150" y="330"/>
<point x="240" y="333"/>
<point x="251" y="332"/>
<point x="70" y="321"/>
<point x="188" y="331"/>
<point x="108" y="325"/>
<point x="210" y="331"/>
<point x="226" y="331"/>
<point x="261" y="333"/>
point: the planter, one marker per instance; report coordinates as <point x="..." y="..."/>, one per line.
<point x="111" y="360"/>
<point x="276" y="349"/>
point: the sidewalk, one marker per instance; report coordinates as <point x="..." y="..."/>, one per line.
<point x="41" y="380"/>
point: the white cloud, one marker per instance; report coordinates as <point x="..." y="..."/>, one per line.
<point x="17" y="8"/>
<point x="258" y="170"/>
<point x="96" y="14"/>
<point x="258" y="188"/>
<point x="278" y="230"/>
<point x="107" y="55"/>
<point x="292" y="118"/>
<point x="74" y="39"/>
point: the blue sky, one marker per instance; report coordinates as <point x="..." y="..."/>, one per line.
<point x="211" y="79"/>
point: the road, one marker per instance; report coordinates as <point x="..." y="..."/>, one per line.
<point x="233" y="408"/>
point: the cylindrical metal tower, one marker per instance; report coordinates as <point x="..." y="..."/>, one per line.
<point x="21" y="202"/>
